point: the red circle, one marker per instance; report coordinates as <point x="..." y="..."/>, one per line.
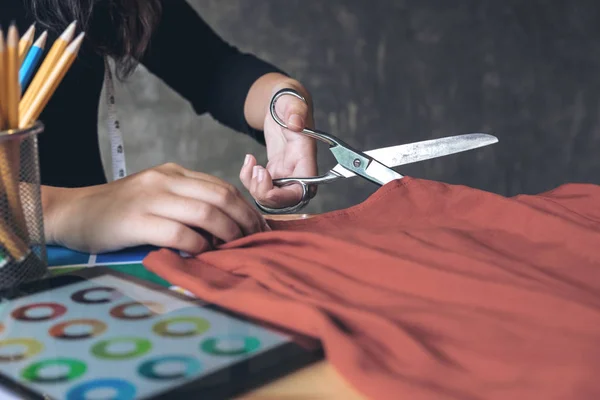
<point x="21" y="312"/>
<point x="59" y="330"/>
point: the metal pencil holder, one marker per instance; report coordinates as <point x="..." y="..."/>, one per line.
<point x="22" y="243"/>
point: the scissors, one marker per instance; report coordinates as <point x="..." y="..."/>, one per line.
<point x="374" y="165"/>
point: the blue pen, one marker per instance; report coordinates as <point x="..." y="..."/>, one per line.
<point x="31" y="61"/>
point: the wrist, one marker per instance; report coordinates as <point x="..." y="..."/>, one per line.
<point x="56" y="202"/>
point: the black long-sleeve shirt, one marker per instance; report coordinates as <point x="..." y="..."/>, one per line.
<point x="184" y="52"/>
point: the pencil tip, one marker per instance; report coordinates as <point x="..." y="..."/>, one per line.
<point x="41" y="41"/>
<point x="69" y="32"/>
<point x="76" y="43"/>
<point x="13" y="35"/>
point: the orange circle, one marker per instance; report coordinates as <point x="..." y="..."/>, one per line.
<point x="120" y="310"/>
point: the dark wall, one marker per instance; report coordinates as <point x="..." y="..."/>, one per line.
<point x="386" y="72"/>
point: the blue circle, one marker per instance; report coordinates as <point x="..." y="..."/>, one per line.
<point x="124" y="389"/>
<point x="147" y="369"/>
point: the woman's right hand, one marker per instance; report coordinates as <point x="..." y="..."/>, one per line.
<point x="165" y="206"/>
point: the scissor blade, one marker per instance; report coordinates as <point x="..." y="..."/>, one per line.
<point x="394" y="156"/>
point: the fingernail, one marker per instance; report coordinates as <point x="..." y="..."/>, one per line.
<point x="261" y="174"/>
<point x="246" y="159"/>
<point x="255" y="171"/>
<point x="296" y="121"/>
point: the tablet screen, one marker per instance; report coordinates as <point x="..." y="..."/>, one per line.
<point x="110" y="338"/>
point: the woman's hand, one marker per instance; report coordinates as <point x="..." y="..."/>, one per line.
<point x="290" y="154"/>
<point x="166" y="206"/>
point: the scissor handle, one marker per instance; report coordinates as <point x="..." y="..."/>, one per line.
<point x="322" y="136"/>
<point x="304" y="199"/>
<point x="305" y="183"/>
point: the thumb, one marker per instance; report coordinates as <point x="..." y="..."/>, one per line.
<point x="293" y="111"/>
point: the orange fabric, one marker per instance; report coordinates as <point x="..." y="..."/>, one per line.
<point x="428" y="290"/>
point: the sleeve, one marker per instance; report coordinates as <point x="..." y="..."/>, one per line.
<point x="214" y="76"/>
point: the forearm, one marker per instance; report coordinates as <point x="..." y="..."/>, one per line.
<point x="261" y="92"/>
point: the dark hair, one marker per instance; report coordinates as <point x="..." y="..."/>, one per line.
<point x="132" y="21"/>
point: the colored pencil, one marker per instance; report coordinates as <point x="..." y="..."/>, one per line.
<point x="18" y="62"/>
<point x="32" y="60"/>
<point x="25" y="43"/>
<point x="16" y="248"/>
<point x="9" y="151"/>
<point x="51" y="82"/>
<point x="53" y="56"/>
<point x="3" y="110"/>
<point x="9" y="169"/>
<point x="12" y="77"/>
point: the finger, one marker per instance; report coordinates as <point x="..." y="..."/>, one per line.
<point x="225" y="187"/>
<point x="263" y="190"/>
<point x="293" y="112"/>
<point x="163" y="232"/>
<point x="246" y="171"/>
<point x="196" y="213"/>
<point x="225" y="197"/>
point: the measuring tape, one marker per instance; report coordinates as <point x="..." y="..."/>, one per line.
<point x="117" y="148"/>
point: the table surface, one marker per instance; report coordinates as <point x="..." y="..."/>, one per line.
<point x="317" y="381"/>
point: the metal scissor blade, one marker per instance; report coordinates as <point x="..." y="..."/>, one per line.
<point x="394" y="156"/>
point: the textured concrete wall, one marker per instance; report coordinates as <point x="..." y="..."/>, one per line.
<point x="385" y="72"/>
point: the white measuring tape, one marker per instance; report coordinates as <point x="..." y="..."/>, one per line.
<point x="117" y="147"/>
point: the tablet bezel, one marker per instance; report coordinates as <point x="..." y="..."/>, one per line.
<point x="231" y="381"/>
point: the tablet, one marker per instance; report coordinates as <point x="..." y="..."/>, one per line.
<point x="100" y="334"/>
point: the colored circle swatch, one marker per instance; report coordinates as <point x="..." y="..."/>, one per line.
<point x="64" y="330"/>
<point x="172" y="327"/>
<point x="39" y="312"/>
<point x="230" y="345"/>
<point x="128" y="310"/>
<point x="134" y="347"/>
<point x="96" y="295"/>
<point x="122" y="390"/>
<point x="169" y="367"/>
<point x="31" y="348"/>
<point x="42" y="372"/>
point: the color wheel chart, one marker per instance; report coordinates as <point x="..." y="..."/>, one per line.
<point x="128" y="261"/>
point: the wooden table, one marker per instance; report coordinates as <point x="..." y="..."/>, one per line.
<point x="318" y="381"/>
<point x="315" y="382"/>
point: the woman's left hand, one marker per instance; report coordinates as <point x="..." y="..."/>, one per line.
<point x="290" y="154"/>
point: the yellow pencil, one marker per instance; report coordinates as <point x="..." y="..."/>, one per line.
<point x="3" y="109"/>
<point x="50" y="60"/>
<point x="15" y="246"/>
<point x="51" y="83"/>
<point x="13" y="89"/>
<point x="9" y="151"/>
<point x="26" y="42"/>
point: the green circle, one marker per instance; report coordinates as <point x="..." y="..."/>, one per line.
<point x="162" y="328"/>
<point x="142" y="346"/>
<point x="211" y="346"/>
<point x="76" y="369"/>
